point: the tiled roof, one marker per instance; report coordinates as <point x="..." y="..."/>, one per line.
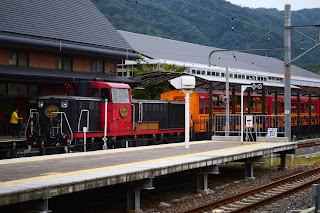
<point x="67" y="20"/>
<point x="160" y="48"/>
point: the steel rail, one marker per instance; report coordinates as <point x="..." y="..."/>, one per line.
<point x="234" y="198"/>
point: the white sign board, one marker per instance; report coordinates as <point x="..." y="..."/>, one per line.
<point x="272" y="132"/>
<point x="249" y="121"/>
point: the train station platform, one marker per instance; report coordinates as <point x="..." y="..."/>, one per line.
<point x="26" y="179"/>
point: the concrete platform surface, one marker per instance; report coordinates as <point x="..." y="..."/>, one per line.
<point x="32" y="178"/>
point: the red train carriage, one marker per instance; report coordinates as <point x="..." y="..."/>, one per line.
<point x="199" y="106"/>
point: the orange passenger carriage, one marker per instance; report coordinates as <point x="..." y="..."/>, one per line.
<point x="199" y="106"/>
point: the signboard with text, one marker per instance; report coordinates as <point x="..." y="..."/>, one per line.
<point x="272" y="132"/>
<point x="249" y="121"/>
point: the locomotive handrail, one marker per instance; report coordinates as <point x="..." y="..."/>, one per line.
<point x="140" y="112"/>
<point x="63" y="113"/>
<point x="133" y="115"/>
<point x="32" y="111"/>
<point x="83" y="110"/>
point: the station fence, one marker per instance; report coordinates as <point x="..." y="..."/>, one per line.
<point x="256" y="125"/>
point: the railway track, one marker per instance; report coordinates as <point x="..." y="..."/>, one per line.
<point x="251" y="200"/>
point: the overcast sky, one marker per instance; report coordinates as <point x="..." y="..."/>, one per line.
<point x="279" y="4"/>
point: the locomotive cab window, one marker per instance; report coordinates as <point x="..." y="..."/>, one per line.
<point x="105" y="94"/>
<point x="120" y="95"/>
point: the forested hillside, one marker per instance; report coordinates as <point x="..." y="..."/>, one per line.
<point x="216" y="23"/>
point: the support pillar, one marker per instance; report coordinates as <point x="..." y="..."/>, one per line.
<point x="249" y="170"/>
<point x="202" y="177"/>
<point x="276" y="104"/>
<point x="263" y="101"/>
<point x="249" y="100"/>
<point x="283" y="161"/>
<point x="133" y="194"/>
<point x="202" y="182"/>
<point x="233" y="99"/>
<point x="283" y="158"/>
<point x="309" y="119"/>
<point x="249" y="166"/>
<point x="299" y="135"/>
<point x="210" y="109"/>
<point x="39" y="206"/>
<point x="133" y="199"/>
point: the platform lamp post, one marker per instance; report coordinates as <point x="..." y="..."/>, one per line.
<point x="243" y="88"/>
<point x="186" y="83"/>
<point x="105" y="124"/>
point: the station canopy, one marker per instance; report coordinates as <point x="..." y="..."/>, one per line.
<point x="204" y="81"/>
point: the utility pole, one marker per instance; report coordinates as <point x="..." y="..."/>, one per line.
<point x="228" y="103"/>
<point x="287" y="70"/>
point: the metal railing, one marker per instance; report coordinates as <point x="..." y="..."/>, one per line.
<point x="231" y="124"/>
<point x="221" y="122"/>
<point x="264" y="122"/>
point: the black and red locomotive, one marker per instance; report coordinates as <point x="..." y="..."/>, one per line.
<point x="81" y="114"/>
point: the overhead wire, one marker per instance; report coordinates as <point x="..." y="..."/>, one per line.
<point x="198" y="21"/>
<point x="236" y="19"/>
<point x="214" y="25"/>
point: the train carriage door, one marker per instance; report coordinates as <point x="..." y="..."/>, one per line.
<point x="103" y="94"/>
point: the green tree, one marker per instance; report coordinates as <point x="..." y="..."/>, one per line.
<point x="153" y="91"/>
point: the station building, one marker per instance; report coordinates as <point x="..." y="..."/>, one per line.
<point x="243" y="67"/>
<point x="46" y="44"/>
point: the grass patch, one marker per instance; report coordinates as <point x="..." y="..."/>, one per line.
<point x="297" y="160"/>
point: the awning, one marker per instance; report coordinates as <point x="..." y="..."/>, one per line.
<point x="203" y="82"/>
<point x="40" y="75"/>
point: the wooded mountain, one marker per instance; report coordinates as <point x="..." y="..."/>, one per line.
<point x="210" y="22"/>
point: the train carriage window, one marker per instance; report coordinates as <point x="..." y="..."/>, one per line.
<point x="105" y="94"/>
<point x="120" y="95"/>
<point x="294" y="106"/>
<point x="207" y="107"/>
<point x="201" y="107"/>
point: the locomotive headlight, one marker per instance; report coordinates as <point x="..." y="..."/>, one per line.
<point x="64" y="103"/>
<point x="40" y="104"/>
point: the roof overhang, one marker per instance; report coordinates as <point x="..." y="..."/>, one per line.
<point x="64" y="46"/>
<point x="220" y="84"/>
<point x="40" y="75"/>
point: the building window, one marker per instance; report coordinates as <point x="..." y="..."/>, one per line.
<point x="19" y="58"/>
<point x="63" y="62"/>
<point x="97" y="66"/>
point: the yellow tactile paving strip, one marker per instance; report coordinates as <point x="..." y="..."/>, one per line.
<point x="37" y="178"/>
